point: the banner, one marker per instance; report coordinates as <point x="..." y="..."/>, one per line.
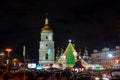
<point x="24" y="51"/>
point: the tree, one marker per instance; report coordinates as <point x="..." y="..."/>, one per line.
<point x="70" y="60"/>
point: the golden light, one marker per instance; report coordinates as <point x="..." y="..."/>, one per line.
<point x="1" y="54"/>
<point x="117" y="60"/>
<point x="8" y="50"/>
<point x="15" y="60"/>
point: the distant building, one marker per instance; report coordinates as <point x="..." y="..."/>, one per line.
<point x="46" y="47"/>
<point x="106" y="57"/>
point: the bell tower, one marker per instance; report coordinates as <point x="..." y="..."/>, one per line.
<point x="46" y="47"/>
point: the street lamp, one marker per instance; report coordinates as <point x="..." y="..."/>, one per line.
<point x="8" y="50"/>
<point x="1" y="55"/>
<point x="15" y="63"/>
<point x="110" y="55"/>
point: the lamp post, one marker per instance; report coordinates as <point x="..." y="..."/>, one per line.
<point x="8" y="51"/>
<point x="15" y="63"/>
<point x="1" y="55"/>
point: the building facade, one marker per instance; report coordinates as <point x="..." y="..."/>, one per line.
<point x="46" y="47"/>
<point x="107" y="58"/>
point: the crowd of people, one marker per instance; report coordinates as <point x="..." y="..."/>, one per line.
<point x="55" y="74"/>
<point x="44" y="75"/>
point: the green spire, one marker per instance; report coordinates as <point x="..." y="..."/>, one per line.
<point x="85" y="52"/>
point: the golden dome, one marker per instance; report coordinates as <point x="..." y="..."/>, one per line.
<point x="46" y="28"/>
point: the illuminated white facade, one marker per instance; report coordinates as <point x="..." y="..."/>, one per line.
<point x="46" y="47"/>
<point x="106" y="57"/>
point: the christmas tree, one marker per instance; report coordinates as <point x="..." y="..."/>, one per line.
<point x="70" y="60"/>
<point x="85" y="53"/>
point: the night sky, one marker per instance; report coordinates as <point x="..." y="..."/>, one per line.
<point x="91" y="24"/>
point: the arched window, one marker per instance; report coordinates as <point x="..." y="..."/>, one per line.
<point x="46" y="56"/>
<point x="46" y="45"/>
<point x="46" y="37"/>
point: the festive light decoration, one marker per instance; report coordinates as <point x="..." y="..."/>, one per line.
<point x="70" y="60"/>
<point x="39" y="66"/>
<point x="49" y="51"/>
